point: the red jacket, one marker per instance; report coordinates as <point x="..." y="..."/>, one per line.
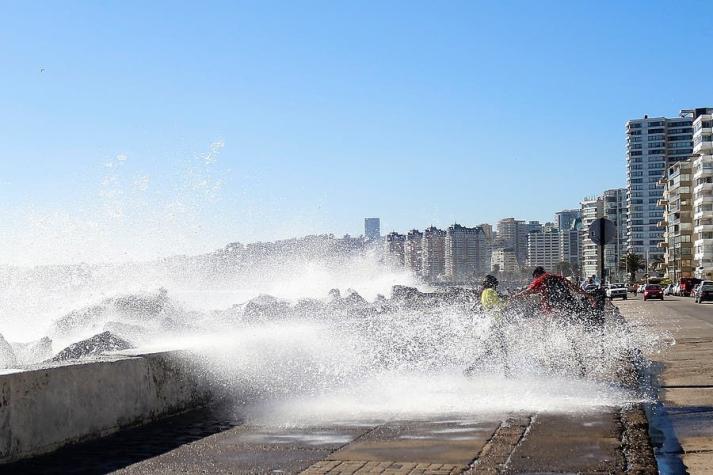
<point x="542" y="286"/>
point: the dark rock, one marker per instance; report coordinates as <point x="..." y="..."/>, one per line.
<point x="96" y="345"/>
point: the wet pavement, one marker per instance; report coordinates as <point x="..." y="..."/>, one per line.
<point x="215" y="440"/>
<point x="220" y="440"/>
<point x="682" y="422"/>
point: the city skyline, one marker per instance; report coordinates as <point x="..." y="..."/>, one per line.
<point x="269" y="123"/>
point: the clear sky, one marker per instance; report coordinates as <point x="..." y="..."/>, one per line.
<point x="261" y="120"/>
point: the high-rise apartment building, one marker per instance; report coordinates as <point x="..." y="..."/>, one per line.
<point x="395" y="244"/>
<point x="372" y="228"/>
<point x="677" y="223"/>
<point x="512" y="234"/>
<point x="611" y="205"/>
<point x="651" y="145"/>
<point x="570" y="243"/>
<point x="467" y="253"/>
<point x="543" y="249"/>
<point x="614" y="208"/>
<point x="504" y="260"/>
<point x="433" y="253"/>
<point x="703" y="191"/>
<point x="413" y="260"/>
<point x="565" y="218"/>
<point x="591" y="210"/>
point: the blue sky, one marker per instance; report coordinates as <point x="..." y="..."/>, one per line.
<point x="305" y="117"/>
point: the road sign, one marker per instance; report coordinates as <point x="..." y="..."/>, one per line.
<point x="602" y="231"/>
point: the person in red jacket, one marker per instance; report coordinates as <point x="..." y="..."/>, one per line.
<point x="556" y="294"/>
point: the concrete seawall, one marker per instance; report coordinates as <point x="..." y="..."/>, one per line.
<point x="44" y="409"/>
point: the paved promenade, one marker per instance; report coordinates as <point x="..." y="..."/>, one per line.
<point x="218" y="440"/>
<point x="683" y="422"/>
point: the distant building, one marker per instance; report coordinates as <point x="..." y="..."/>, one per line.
<point x="565" y="219"/>
<point x="433" y="253"/>
<point x="614" y="208"/>
<point x="395" y="248"/>
<point x="677" y="223"/>
<point x="504" y="260"/>
<point x="543" y="249"/>
<point x="591" y="210"/>
<point x="467" y="253"/>
<point x="512" y="234"/>
<point x="412" y="251"/>
<point x="703" y="192"/>
<point x="652" y="144"/>
<point x="534" y="226"/>
<point x="611" y="205"/>
<point x="570" y="244"/>
<point x="372" y="228"/>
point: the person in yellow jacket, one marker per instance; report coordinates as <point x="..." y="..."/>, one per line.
<point x="490" y="299"/>
<point x="493" y="305"/>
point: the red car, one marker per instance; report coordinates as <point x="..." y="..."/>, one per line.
<point x="653" y="291"/>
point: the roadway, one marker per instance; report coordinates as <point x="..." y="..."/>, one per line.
<point x="682" y="377"/>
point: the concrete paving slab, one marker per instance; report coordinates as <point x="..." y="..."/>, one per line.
<point x="683" y="397"/>
<point x="570" y="443"/>
<point x="456" y="443"/>
<point x="699" y="463"/>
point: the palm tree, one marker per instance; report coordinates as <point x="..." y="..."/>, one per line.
<point x="631" y="263"/>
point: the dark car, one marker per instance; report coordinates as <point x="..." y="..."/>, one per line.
<point x="653" y="291"/>
<point x="704" y="292"/>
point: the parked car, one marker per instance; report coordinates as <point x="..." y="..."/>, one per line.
<point x="675" y="290"/>
<point x="641" y="288"/>
<point x="668" y="290"/>
<point x="653" y="291"/>
<point x="704" y="292"/>
<point x="616" y="291"/>
<point x="633" y="288"/>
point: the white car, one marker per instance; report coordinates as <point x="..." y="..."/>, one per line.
<point x="616" y="291"/>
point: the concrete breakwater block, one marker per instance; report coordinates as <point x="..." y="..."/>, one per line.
<point x="44" y="409"/>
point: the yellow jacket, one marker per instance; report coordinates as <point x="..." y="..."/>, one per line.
<point x="490" y="300"/>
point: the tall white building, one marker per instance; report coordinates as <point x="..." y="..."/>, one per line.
<point x="651" y="145"/>
<point x="512" y="234"/>
<point x="591" y="210"/>
<point x="614" y="208"/>
<point x="467" y="253"/>
<point x="611" y="205"/>
<point x="703" y="192"/>
<point x="543" y="249"/>
<point x="504" y="260"/>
